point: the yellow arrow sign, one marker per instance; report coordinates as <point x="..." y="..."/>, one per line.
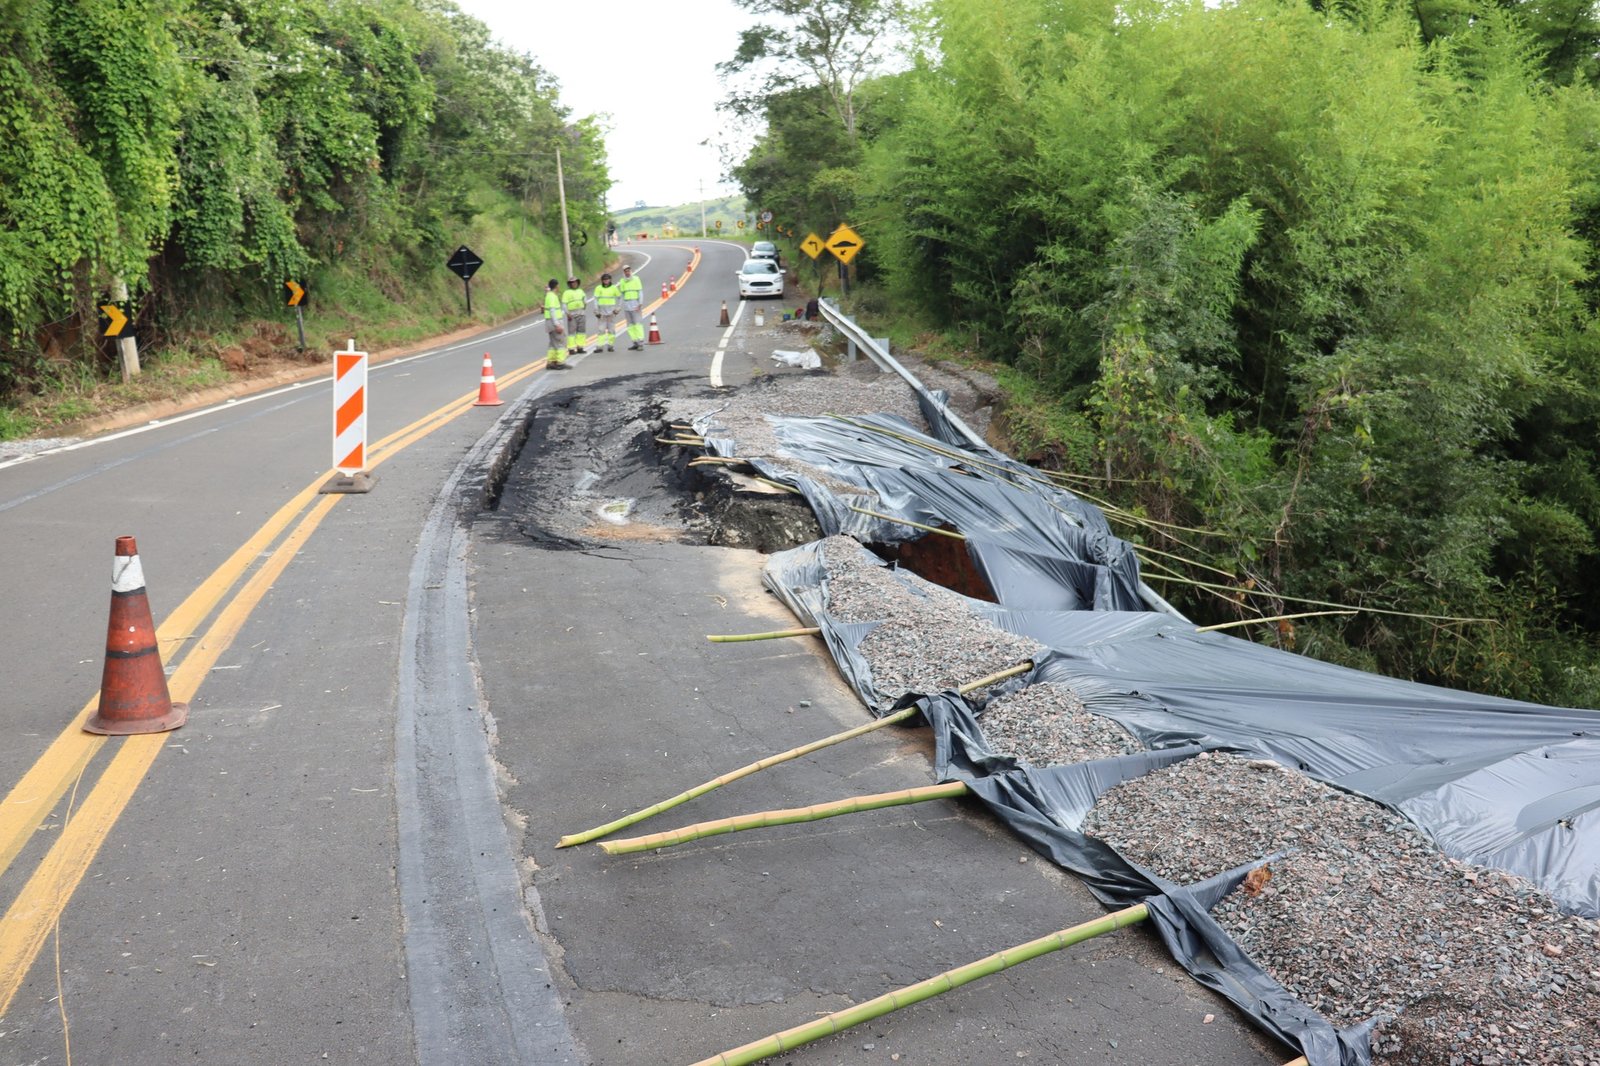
<point x="296" y="293"/>
<point x="844" y="243"/>
<point x="812" y="245"/>
<point x="115" y="319"/>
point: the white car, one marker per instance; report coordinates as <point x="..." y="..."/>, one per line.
<point x="760" y="277"/>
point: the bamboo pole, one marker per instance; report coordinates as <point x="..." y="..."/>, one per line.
<point x="688" y="442"/>
<point x="773" y="760"/>
<point x="837" y="1022"/>
<point x="735" y="638"/>
<point x="1273" y="618"/>
<point x="906" y="522"/>
<point x="788" y="816"/>
<point x="778" y="485"/>
<point x="731" y="776"/>
<point x="1320" y="603"/>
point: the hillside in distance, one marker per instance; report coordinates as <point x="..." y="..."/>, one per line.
<point x="683" y="220"/>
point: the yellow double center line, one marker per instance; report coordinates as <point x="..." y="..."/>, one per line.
<point x="27" y="923"/>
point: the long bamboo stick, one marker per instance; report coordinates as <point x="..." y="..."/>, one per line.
<point x="734" y="775"/>
<point x="1273" y="618"/>
<point x="906" y="522"/>
<point x="735" y="638"/>
<point x="790" y="1039"/>
<point x="1319" y="603"/>
<point x="773" y="760"/>
<point x="788" y="816"/>
<point x="778" y="485"/>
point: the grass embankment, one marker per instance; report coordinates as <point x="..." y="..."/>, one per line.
<point x="377" y="299"/>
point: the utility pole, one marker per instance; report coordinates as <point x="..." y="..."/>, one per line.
<point x="566" y="234"/>
<point x="702" y="207"/>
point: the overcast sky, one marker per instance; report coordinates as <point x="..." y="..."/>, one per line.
<point x="651" y="66"/>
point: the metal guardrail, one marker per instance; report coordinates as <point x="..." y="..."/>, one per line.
<point x="878" y="351"/>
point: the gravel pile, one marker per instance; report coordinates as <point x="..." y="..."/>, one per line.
<point x="928" y="641"/>
<point x="1046" y="725"/>
<point x="1366" y="917"/>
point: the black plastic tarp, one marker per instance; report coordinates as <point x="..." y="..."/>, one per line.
<point x="1494" y="782"/>
<point x="1036" y="544"/>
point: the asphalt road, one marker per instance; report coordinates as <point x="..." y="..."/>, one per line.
<point x="399" y="704"/>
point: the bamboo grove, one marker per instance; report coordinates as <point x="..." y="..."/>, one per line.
<point x="1311" y="289"/>
<point x="205" y="150"/>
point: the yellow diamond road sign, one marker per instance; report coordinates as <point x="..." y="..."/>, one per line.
<point x="844" y="243"/>
<point x="812" y="245"/>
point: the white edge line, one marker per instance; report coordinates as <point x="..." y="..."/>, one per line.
<point x="727" y="334"/>
<point x="239" y="401"/>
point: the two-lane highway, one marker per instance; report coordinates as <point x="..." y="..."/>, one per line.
<point x="228" y="891"/>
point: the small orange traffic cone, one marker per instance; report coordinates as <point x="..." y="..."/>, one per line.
<point x="655" y="332"/>
<point x="133" y="687"/>
<point x="672" y="283"/>
<point x="663" y="290"/>
<point x="724" y="321"/>
<point x="488" y="395"/>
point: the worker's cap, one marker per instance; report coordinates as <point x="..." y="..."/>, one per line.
<point x="605" y="277"/>
<point x="572" y="281"/>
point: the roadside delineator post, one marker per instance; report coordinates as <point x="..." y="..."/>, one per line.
<point x="655" y="332"/>
<point x="724" y="321"/>
<point x="349" y="423"/>
<point x="488" y="394"/>
<point x="133" y="687"/>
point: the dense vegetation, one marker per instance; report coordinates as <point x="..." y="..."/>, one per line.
<point x="202" y="151"/>
<point x="1319" y="280"/>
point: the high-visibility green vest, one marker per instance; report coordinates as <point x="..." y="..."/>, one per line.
<point x="574" y="299"/>
<point x="631" y="288"/>
<point x="606" y="296"/>
<point x="552" y="304"/>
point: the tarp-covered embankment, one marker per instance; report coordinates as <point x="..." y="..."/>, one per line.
<point x="1495" y="783"/>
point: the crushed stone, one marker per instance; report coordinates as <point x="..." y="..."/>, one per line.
<point x="1366" y="917"/>
<point x="1046" y="725"/>
<point x="928" y="640"/>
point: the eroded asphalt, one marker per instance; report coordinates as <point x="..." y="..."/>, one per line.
<point x="603" y="696"/>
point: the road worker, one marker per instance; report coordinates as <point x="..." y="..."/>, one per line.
<point x="606" y="296"/>
<point x="632" y="289"/>
<point x="576" y="302"/>
<point x="555" y="335"/>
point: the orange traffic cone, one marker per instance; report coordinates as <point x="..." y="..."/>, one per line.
<point x="655" y="332"/>
<point x="133" y="687"/>
<point x="663" y="290"/>
<point x="724" y="321"/>
<point x="672" y="283"/>
<point x="488" y="395"/>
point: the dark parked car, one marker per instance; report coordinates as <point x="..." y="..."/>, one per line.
<point x="766" y="250"/>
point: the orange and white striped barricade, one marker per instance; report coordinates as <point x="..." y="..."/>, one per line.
<point x="349" y="423"/>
